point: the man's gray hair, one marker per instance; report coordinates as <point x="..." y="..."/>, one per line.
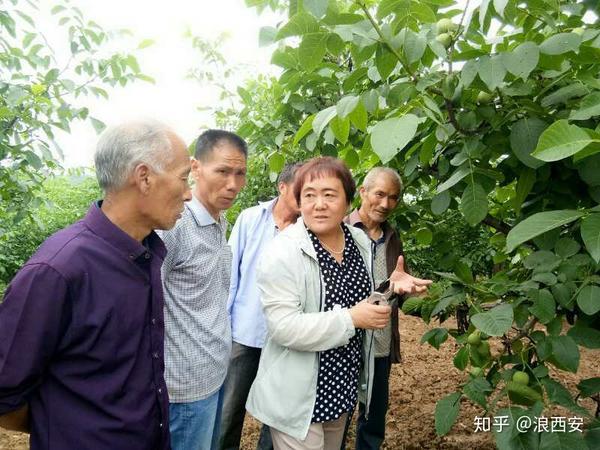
<point x="122" y="147"/>
<point x="376" y="172"/>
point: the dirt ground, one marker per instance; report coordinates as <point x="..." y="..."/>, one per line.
<point x="425" y="376"/>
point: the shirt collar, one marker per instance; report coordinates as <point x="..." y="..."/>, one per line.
<point x="96" y="220"/>
<point x="269" y="204"/>
<point x="354" y="219"/>
<point x="201" y="214"/>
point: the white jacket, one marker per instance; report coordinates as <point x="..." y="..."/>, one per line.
<point x="292" y="293"/>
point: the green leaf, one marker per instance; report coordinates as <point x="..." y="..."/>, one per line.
<point x="304" y="129"/>
<point x="544" y="306"/>
<point x="590" y="233"/>
<point x="538" y="224"/>
<point x="522" y="60"/>
<point x="473" y="204"/>
<point x="359" y="117"/>
<point x="300" y="24"/>
<point x="561" y="140"/>
<point x="435" y="337"/>
<point x="521" y="394"/>
<point x="411" y="304"/>
<point x="312" y="49"/>
<point x="564" y="94"/>
<point x="524" y="186"/>
<point x="266" y="36"/>
<point x="566" y="247"/>
<point x="414" y="46"/>
<point x="340" y="129"/>
<point x="387" y="7"/>
<point x="589" y="387"/>
<point x="588" y="299"/>
<point x="440" y="203"/>
<point x="463" y="272"/>
<point x="461" y="359"/>
<point x="477" y="390"/>
<point x="457" y="176"/>
<point x="494" y="322"/>
<point x="322" y="119"/>
<point x="146" y="43"/>
<point x="562" y="441"/>
<point x="589" y="107"/>
<point x="491" y="71"/>
<point x="446" y="412"/>
<point x="317" y="8"/>
<point x="560" y="43"/>
<point x="499" y="6"/>
<point x="469" y="72"/>
<point x="385" y="61"/>
<point x="346" y="105"/>
<point x="559" y="395"/>
<point x="585" y="336"/>
<point x="98" y="125"/>
<point x="276" y="162"/>
<point x="424" y="236"/>
<point x="390" y="136"/>
<point x="565" y="353"/>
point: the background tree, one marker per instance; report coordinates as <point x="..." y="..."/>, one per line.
<point x="42" y="84"/>
<point x="490" y="112"/>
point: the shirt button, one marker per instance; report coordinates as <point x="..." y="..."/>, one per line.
<point x="160" y="425"/>
<point x="131" y="256"/>
<point x="153" y="321"/>
<point x="147" y="255"/>
<point x="160" y="390"/>
<point x="155" y="355"/>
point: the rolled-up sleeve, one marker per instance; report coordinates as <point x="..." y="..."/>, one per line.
<point x="33" y="317"/>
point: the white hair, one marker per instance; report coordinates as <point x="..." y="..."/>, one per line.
<point x="122" y="147"/>
<point x="376" y="172"/>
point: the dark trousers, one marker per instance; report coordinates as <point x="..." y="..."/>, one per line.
<point x="371" y="433"/>
<point x="243" y="366"/>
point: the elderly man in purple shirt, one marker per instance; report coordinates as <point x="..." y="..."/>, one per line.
<point x="81" y="324"/>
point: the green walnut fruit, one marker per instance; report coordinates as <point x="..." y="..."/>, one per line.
<point x="483" y="98"/>
<point x="474" y="338"/>
<point x="445" y="39"/>
<point x="476" y="372"/>
<point x="483" y="348"/>
<point x="445" y="25"/>
<point x="578" y="30"/>
<point x="521" y="378"/>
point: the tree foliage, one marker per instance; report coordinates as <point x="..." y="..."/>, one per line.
<point x="67" y="198"/>
<point x="490" y="112"/>
<point x="42" y="91"/>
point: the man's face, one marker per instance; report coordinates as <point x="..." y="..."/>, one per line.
<point x="378" y="202"/>
<point x="220" y="177"/>
<point x="171" y="187"/>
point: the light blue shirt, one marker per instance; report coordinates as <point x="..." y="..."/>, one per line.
<point x="253" y="230"/>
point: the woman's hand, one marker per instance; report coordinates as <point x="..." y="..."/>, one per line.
<point x="369" y="316"/>
<point x="403" y="283"/>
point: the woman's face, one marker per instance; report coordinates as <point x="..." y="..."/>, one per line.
<point x="323" y="205"/>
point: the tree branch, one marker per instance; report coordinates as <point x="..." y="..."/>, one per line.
<point x="500" y="226"/>
<point x="386" y="42"/>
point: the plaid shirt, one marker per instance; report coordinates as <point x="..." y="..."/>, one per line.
<point x="196" y="275"/>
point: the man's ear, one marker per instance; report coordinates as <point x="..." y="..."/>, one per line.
<point x="362" y="191"/>
<point x="196" y="164"/>
<point x="141" y="177"/>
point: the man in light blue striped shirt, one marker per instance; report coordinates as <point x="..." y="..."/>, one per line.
<point x="253" y="230"/>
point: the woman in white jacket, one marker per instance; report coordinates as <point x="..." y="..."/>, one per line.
<point x="314" y="278"/>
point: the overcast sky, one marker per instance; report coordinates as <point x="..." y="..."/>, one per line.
<point x="173" y="99"/>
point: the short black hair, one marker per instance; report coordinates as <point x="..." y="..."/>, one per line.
<point x="288" y="172"/>
<point x="210" y="139"/>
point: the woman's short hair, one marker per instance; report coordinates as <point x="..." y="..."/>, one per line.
<point x="322" y="167"/>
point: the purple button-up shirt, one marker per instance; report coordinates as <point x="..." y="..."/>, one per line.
<point x="81" y="340"/>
